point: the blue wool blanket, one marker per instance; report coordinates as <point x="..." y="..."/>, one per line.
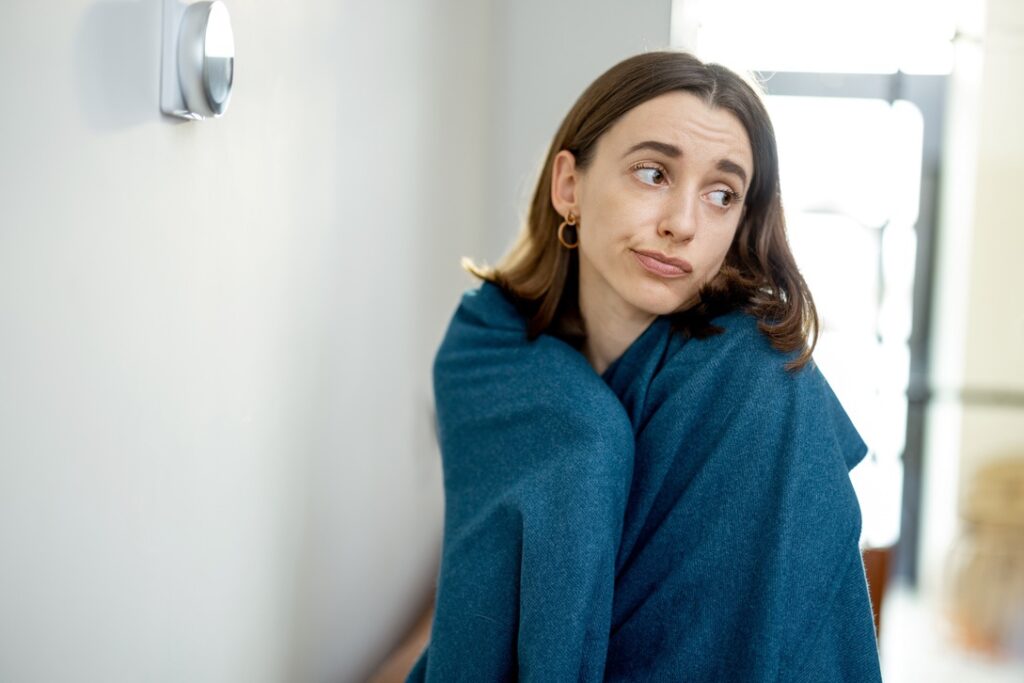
<point x="685" y="516"/>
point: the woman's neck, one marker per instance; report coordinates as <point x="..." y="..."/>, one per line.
<point x="610" y="328"/>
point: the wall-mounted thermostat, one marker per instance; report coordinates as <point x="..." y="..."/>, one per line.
<point x="198" y="59"/>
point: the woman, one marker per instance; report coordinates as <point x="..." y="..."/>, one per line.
<point x="646" y="477"/>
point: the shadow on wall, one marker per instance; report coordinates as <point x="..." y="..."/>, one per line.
<point x="116" y="55"/>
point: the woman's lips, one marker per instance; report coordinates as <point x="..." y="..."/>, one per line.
<point x="659" y="267"/>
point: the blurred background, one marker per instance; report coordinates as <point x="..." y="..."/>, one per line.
<point x="217" y="459"/>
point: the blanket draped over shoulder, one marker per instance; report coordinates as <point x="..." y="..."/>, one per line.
<point x="687" y="515"/>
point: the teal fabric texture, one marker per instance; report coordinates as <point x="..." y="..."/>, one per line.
<point x="687" y="515"/>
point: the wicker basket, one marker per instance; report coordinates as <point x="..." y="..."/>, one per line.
<point x="985" y="575"/>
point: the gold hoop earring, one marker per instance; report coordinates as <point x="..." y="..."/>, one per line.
<point x="571" y="222"/>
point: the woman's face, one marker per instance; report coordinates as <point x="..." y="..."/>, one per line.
<point x="668" y="178"/>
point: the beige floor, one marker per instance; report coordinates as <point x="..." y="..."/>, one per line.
<point x="917" y="645"/>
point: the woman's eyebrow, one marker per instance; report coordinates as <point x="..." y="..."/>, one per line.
<point x="671" y="151"/>
<point x="663" y="147"/>
<point x="729" y="166"/>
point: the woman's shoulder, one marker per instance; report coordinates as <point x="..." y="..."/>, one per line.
<point x="740" y="346"/>
<point x="488" y="334"/>
<point x="485" y="317"/>
<point x="741" y="366"/>
<point x="490" y="305"/>
<point x="488" y="375"/>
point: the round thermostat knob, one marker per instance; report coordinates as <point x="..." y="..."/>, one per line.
<point x="206" y="58"/>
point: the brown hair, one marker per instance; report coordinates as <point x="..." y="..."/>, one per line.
<point x="759" y="274"/>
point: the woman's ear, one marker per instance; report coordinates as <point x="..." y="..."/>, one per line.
<point x="565" y="183"/>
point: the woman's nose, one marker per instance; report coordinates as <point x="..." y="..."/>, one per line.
<point x="679" y="223"/>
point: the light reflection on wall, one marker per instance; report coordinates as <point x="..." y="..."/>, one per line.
<point x="868" y="36"/>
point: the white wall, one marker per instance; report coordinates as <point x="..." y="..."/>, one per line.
<point x="978" y="332"/>
<point x="217" y="459"/>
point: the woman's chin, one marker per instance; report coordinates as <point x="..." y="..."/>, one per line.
<point x="659" y="305"/>
<point x="659" y="299"/>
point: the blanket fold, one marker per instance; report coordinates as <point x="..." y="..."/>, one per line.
<point x="685" y="515"/>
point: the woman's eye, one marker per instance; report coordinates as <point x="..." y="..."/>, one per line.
<point x="722" y="198"/>
<point x="653" y="176"/>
